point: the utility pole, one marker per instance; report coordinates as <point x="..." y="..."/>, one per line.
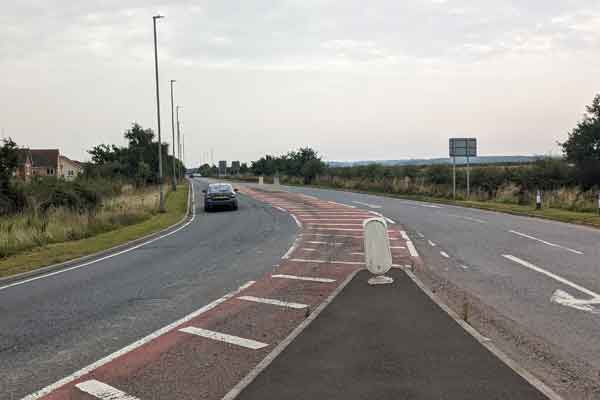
<point x="161" y="202"/>
<point x="174" y="179"/>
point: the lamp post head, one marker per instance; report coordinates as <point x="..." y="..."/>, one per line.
<point x="157" y="17"/>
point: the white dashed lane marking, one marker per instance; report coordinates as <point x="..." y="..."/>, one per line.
<point x="223" y="337"/>
<point x="545" y="242"/>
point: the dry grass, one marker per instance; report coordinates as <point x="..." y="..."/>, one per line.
<point x="32" y="229"/>
<point x="56" y="252"/>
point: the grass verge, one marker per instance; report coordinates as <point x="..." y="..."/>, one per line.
<point x="176" y="204"/>
<point x="555" y="214"/>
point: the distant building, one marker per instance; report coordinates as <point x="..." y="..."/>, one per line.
<point x="69" y="169"/>
<point x="46" y="162"/>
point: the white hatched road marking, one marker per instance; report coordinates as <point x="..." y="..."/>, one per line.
<point x="308" y="249"/>
<point x="303" y="278"/>
<point x="103" y="391"/>
<point x="274" y="302"/>
<point x="297" y="221"/>
<point x="223" y="337"/>
<point x="336" y="224"/>
<point x="326" y="261"/>
<point x="335" y="236"/>
<point x="86" y="370"/>
<point x="545" y="242"/>
<point x="397" y="247"/>
<point x="404" y="235"/>
<point x="329" y="243"/>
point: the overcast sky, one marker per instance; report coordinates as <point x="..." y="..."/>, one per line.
<point x="353" y="79"/>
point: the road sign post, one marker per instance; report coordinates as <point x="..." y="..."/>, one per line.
<point x="462" y="147"/>
<point x="378" y="254"/>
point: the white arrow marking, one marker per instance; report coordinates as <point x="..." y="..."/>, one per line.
<point x="560" y="296"/>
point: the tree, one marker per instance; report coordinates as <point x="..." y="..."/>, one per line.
<point x="583" y="146"/>
<point x="9" y="161"/>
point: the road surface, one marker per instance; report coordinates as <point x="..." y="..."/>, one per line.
<point x="54" y="326"/>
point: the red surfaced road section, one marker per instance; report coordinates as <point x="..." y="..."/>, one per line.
<point x="181" y="365"/>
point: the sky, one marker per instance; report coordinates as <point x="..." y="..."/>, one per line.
<point x="355" y="80"/>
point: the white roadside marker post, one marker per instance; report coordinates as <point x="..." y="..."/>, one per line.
<point x="261" y="180"/>
<point x="378" y="255"/>
<point x="538" y="200"/>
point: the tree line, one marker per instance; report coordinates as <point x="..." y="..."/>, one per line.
<point x="110" y="168"/>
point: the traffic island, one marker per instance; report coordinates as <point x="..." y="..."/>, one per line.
<point x="388" y="342"/>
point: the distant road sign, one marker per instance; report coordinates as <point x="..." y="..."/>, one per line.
<point x="463" y="147"/>
<point x="222" y="168"/>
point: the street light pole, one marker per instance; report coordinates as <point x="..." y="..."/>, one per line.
<point x="161" y="203"/>
<point x="174" y="181"/>
<point x="179" y="141"/>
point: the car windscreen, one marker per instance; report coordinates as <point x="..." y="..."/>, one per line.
<point x="220" y="188"/>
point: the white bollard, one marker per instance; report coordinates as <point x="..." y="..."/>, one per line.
<point x="378" y="254"/>
<point x="261" y="180"/>
<point x="276" y="180"/>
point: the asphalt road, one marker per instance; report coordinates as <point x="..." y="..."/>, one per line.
<point x="53" y="326"/>
<point x="512" y="263"/>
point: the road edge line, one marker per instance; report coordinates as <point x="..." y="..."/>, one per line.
<point x="135" y="345"/>
<point x="265" y="362"/>
<point x="12" y="279"/>
<point x="512" y="364"/>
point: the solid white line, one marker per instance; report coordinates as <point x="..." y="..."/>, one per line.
<point x="278" y="208"/>
<point x="545" y="242"/>
<point x="274" y="302"/>
<point x="404" y="235"/>
<point x="397" y="247"/>
<point x="86" y="370"/>
<point x="444" y="254"/>
<point x="550" y="275"/>
<point x="307" y="195"/>
<point x="412" y="249"/>
<point x="103" y="391"/>
<point x="420" y="234"/>
<point x="223" y="337"/>
<point x="304" y="278"/>
<point x="431" y="243"/>
<point x="297" y="221"/>
<point x="326" y="261"/>
<point x="290" y="250"/>
<point x="391" y="221"/>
